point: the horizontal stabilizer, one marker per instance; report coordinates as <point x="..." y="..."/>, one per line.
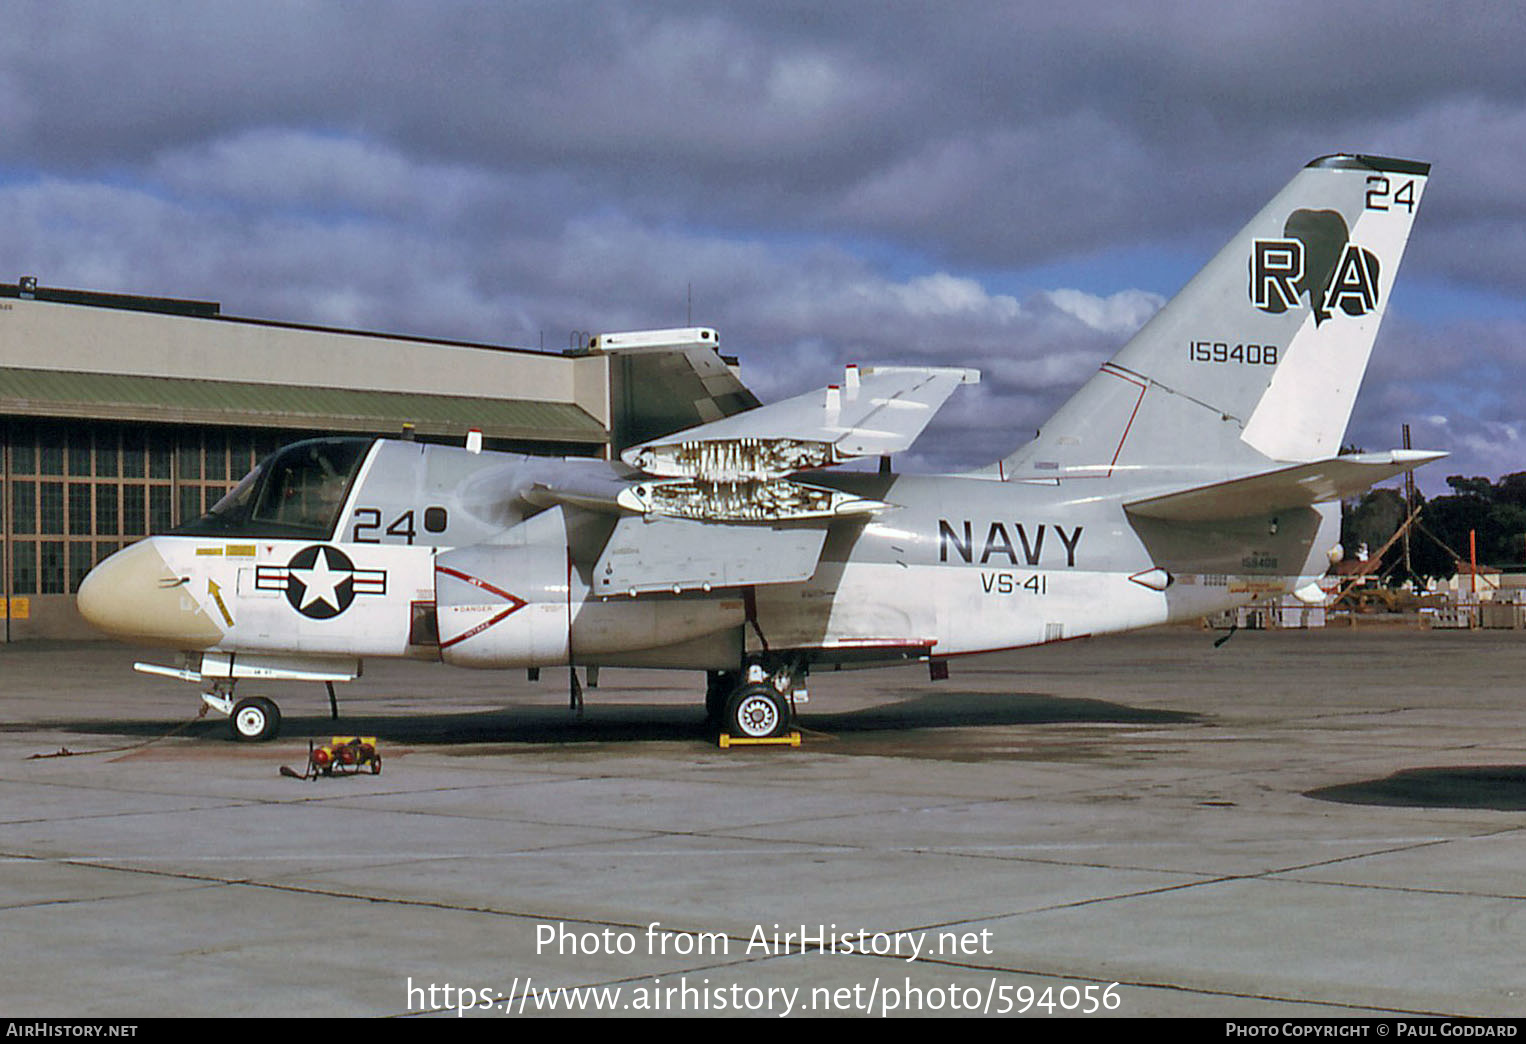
<point x="670" y="554"/>
<point x="875" y="411"/>
<point x="1291" y="487"/>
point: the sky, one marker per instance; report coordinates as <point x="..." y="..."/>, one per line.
<point x="1011" y="186"/>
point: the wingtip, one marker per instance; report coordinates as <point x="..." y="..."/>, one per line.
<point x="1410" y="458"/>
<point x="1415" y="458"/>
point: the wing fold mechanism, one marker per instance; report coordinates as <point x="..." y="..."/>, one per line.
<point x="718" y="506"/>
<point x="737" y="470"/>
<point x="1298" y="485"/>
<point x="769" y="500"/>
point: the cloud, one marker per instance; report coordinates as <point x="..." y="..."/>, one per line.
<point x="1005" y="136"/>
<point x="835" y="185"/>
<point x="288" y="170"/>
<point x="1120" y="313"/>
<point x="1457" y="385"/>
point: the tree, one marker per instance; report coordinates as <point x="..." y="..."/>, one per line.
<point x="1372" y="520"/>
<point x="1477" y="486"/>
<point x="1495" y="512"/>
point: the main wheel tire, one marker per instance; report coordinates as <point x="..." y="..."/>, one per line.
<point x="757" y="712"/>
<point x="255" y="720"/>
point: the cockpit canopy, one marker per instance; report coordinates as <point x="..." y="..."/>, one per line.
<point x="296" y="492"/>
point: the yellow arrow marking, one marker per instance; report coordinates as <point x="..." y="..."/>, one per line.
<point x="217" y="596"/>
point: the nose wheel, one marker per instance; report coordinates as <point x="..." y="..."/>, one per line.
<point x="255" y="720"/>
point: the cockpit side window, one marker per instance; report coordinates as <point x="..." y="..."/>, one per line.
<point x="296" y="492"/>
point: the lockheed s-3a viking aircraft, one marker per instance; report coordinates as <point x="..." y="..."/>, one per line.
<point x="1197" y="470"/>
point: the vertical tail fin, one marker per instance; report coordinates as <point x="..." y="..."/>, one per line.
<point x="1260" y="355"/>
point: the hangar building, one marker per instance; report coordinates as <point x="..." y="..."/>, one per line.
<point x="123" y="416"/>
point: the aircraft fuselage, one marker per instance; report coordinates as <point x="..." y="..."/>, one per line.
<point x="955" y="565"/>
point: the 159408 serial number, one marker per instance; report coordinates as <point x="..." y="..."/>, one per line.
<point x="1223" y="352"/>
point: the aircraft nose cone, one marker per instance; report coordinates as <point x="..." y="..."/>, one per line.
<point x="135" y="594"/>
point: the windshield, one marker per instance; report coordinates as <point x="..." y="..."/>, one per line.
<point x="297" y="491"/>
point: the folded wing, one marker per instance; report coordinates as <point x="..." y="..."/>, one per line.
<point x="718" y="505"/>
<point x="876" y="411"/>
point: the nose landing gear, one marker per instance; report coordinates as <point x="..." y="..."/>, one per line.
<point x="253" y="719"/>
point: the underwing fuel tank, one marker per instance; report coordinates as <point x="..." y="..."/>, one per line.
<point x="525" y="604"/>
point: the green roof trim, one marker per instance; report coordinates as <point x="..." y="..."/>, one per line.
<point x="176" y="400"/>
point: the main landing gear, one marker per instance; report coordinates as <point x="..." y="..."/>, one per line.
<point x="753" y="703"/>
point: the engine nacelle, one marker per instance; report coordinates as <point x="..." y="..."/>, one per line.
<point x="503" y="606"/>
